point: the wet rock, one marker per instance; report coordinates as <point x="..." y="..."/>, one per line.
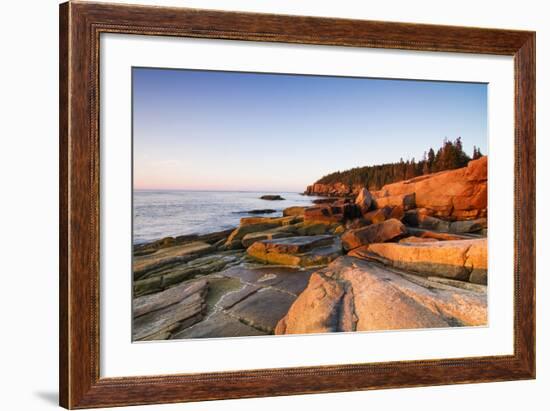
<point x="451" y="259"/>
<point x="355" y="295"/>
<point x="374" y="233"/>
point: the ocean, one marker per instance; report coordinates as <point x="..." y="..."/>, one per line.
<point x="164" y="213"/>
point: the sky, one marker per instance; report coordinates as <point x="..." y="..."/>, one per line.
<point x="213" y="130"/>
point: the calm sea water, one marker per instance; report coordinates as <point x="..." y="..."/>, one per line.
<point x="162" y="213"/>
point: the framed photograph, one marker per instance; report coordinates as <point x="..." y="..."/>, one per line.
<point x="259" y="205"/>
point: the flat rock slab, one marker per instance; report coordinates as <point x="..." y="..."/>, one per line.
<point x="306" y="251"/>
<point x="413" y="240"/>
<point x="286" y="279"/>
<point x="263" y="309"/>
<point x="164" y="277"/>
<point x="251" y="238"/>
<point x="458" y="259"/>
<point x="216" y="326"/>
<point x="295" y="245"/>
<point x="146" y="304"/>
<point x="422" y="233"/>
<point x="166" y="256"/>
<point x="235" y="297"/>
<point x="280" y="221"/>
<point x="181" y="314"/>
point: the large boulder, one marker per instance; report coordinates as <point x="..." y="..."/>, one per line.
<point x="375" y="233"/>
<point x="364" y="200"/>
<point x="305" y="251"/>
<point x="406" y="201"/>
<point x="384" y="213"/>
<point x="355" y="295"/>
<point x="459" y="259"/>
<point x="332" y="213"/>
<point x="457" y="194"/>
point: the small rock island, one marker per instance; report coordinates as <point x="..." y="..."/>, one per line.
<point x="272" y="197"/>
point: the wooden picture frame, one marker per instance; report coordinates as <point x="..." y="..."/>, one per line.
<point x="80" y="27"/>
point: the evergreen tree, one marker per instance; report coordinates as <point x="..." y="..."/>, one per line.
<point x="477" y="153"/>
<point x="431" y="160"/>
<point x="449" y="156"/>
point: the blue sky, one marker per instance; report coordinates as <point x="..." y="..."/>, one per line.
<point x="212" y="130"/>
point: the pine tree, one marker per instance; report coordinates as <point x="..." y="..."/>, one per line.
<point x="431" y="160"/>
<point x="449" y="156"/>
<point x="477" y="153"/>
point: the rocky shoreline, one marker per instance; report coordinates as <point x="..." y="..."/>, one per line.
<point x="411" y="255"/>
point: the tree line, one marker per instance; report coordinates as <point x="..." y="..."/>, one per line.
<point x="449" y="156"/>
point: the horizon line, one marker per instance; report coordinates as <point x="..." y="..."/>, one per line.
<point x="219" y="190"/>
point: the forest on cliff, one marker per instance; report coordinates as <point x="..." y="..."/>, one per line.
<point x="449" y="156"/>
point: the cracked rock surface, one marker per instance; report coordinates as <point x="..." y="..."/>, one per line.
<point x="356" y="295"/>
